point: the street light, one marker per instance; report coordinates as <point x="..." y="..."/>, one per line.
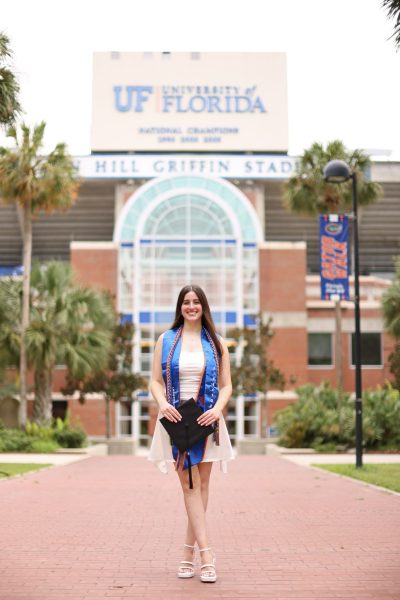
<point x="338" y="171"/>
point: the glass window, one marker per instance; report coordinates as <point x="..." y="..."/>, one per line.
<point x="250" y="418"/>
<point x="189" y="237"/>
<point x="320" y="349"/>
<point x="126" y="279"/>
<point x="125" y="418"/>
<point x="144" y="418"/>
<point x="225" y="191"/>
<point x="232" y="427"/>
<point x="371" y="349"/>
<point x="231" y="420"/>
<point x="146" y="361"/>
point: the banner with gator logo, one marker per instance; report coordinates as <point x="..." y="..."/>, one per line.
<point x="334" y="257"/>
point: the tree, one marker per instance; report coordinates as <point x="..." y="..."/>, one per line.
<point x="10" y="107"/>
<point x="116" y="381"/>
<point x="69" y="324"/>
<point x="254" y="372"/>
<point x="391" y="317"/>
<point x="10" y="303"/>
<point x="308" y="194"/>
<point x="34" y="183"/>
<point x="393" y="12"/>
<point x="10" y="309"/>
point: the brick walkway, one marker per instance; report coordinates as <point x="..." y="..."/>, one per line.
<point x="111" y="527"/>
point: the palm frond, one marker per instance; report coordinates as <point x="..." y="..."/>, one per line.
<point x="46" y="183"/>
<point x="391" y="308"/>
<point x="308" y="194"/>
<point x="10" y="107"/>
<point x="393" y="12"/>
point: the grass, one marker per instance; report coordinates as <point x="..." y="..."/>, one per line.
<point x="10" y="469"/>
<point x="384" y="475"/>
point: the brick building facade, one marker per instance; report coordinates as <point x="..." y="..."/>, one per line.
<point x="156" y="212"/>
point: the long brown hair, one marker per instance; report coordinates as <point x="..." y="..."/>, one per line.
<point x="206" y="318"/>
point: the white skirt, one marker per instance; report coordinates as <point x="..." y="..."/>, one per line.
<point x="161" y="449"/>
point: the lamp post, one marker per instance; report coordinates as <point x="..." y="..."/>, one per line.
<point x="338" y="171"/>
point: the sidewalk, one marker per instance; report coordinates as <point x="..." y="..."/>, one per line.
<point x="40" y="459"/>
<point x="307" y="456"/>
<point x="112" y="527"/>
<point x="64" y="456"/>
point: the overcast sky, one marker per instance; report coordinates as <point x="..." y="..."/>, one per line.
<point x="343" y="71"/>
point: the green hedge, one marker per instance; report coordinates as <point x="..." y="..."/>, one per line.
<point x="324" y="417"/>
<point x="71" y="438"/>
<point x="16" y="440"/>
<point x="36" y="438"/>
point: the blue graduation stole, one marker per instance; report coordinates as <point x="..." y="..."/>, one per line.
<point x="207" y="394"/>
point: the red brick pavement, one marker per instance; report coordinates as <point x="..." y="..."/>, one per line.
<point x="112" y="527"/>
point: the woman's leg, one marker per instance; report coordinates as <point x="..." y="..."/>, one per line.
<point x="196" y="501"/>
<point x="204" y="472"/>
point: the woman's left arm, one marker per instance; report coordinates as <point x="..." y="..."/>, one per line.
<point x="225" y="389"/>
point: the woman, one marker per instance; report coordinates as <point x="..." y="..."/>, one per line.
<point x="192" y="361"/>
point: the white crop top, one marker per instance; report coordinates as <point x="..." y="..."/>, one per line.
<point x="191" y="365"/>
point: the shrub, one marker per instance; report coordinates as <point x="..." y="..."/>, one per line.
<point x="38" y="438"/>
<point x="14" y="440"/>
<point x="321" y="415"/>
<point x="39" y="431"/>
<point x="381" y="417"/>
<point x="70" y="438"/>
<point x="324" y="417"/>
<point x="43" y="446"/>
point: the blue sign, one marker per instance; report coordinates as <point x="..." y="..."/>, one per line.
<point x="334" y="257"/>
<point x="11" y="271"/>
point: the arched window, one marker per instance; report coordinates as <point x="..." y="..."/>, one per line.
<point x="182" y="230"/>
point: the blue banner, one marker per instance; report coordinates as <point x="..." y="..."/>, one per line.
<point x="334" y="257"/>
<point x="11" y="271"/>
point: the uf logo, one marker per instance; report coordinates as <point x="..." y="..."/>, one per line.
<point x="138" y="93"/>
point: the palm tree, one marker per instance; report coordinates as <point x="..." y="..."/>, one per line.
<point x="9" y="88"/>
<point x="34" y="183"/>
<point x="10" y="302"/>
<point x="393" y="12"/>
<point x="391" y="304"/>
<point x="117" y="381"/>
<point x="308" y="194"/>
<point x="10" y="312"/>
<point x="69" y="324"/>
<point x="391" y="317"/>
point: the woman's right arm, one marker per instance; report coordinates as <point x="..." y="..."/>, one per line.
<point x="157" y="387"/>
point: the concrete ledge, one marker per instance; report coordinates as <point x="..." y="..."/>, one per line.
<point x="251" y="446"/>
<point x="275" y="449"/>
<point x="97" y="450"/>
<point x="118" y="446"/>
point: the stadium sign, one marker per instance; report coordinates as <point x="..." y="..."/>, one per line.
<point x="135" y="166"/>
<point x="189" y="102"/>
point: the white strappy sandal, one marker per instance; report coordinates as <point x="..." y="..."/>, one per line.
<point x="189" y="569"/>
<point x="208" y="576"/>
